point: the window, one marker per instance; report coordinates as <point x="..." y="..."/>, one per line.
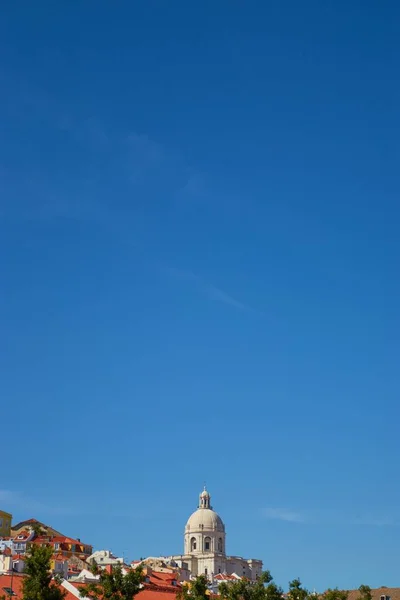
<point x="1" y="522"/>
<point x="205" y="572"/>
<point x="207" y="543"/>
<point x="56" y="546"/>
<point x="220" y="545"/>
<point x="9" y="591"/>
<point x="193" y="544"/>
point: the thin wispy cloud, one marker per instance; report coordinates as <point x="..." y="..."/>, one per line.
<point x="7" y="496"/>
<point x="330" y="517"/>
<point x="117" y="168"/>
<point x="121" y="174"/>
<point x="15" y="500"/>
<point x="283" y="514"/>
<point x="208" y="288"/>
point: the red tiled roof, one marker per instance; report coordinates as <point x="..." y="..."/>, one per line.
<point x="57" y="539"/>
<point x="162" y="577"/>
<point x="30" y="522"/>
<point x="159" y="594"/>
<point x="15" y="582"/>
<point x="147" y="593"/>
<point x="25" y="533"/>
<point x="393" y="593"/>
<point x="60" y="558"/>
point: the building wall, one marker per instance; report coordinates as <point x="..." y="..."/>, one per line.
<point x="5" y="523"/>
<point x="19" y="565"/>
<point x="7" y="544"/>
<point x="59" y="567"/>
<point x="5" y="563"/>
<point x="256" y="567"/>
<point x="214" y="539"/>
<point x="250" y="568"/>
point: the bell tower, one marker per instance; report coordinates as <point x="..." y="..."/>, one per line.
<point x="205" y="499"/>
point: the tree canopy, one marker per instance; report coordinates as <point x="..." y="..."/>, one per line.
<point x="297" y="591"/>
<point x="196" y="590"/>
<point x="113" y="584"/>
<point x="262" y="589"/>
<point x="335" y="594"/>
<point x="39" y="583"/>
<point x="365" y="593"/>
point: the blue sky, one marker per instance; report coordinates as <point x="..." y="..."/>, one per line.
<point x="199" y="239"/>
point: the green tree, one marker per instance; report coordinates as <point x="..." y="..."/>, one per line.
<point x="262" y="589"/>
<point x="297" y="591"/>
<point x="365" y="593"/>
<point x="39" y="584"/>
<point x="37" y="529"/>
<point x="114" y="585"/>
<point x="196" y="590"/>
<point x="334" y="594"/>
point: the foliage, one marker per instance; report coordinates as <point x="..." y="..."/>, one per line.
<point x="197" y="590"/>
<point x="335" y="594"/>
<point x="296" y="591"/>
<point x="113" y="585"/>
<point x="39" y="583"/>
<point x="262" y="589"/>
<point x="365" y="592"/>
<point x="37" y="529"/>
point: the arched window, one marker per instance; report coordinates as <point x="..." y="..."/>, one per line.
<point x="220" y="545"/>
<point x="207" y="543"/>
<point x="193" y="544"/>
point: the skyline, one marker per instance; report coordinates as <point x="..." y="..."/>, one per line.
<point x="199" y="240"/>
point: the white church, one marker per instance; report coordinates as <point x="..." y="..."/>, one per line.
<point x="204" y="546"/>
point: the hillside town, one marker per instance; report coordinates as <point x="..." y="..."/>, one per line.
<point x="74" y="563"/>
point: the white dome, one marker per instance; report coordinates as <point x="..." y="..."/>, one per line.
<point x="204" y="519"/>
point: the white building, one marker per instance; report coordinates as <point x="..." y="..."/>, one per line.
<point x="104" y="558"/>
<point x="164" y="564"/>
<point x="204" y="546"/>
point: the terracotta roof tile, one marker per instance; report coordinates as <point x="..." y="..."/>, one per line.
<point x="6" y="581"/>
<point x="392" y="593"/>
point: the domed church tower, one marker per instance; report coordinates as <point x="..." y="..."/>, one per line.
<point x="205" y="538"/>
<point x="205" y="531"/>
<point x="204" y="546"/>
